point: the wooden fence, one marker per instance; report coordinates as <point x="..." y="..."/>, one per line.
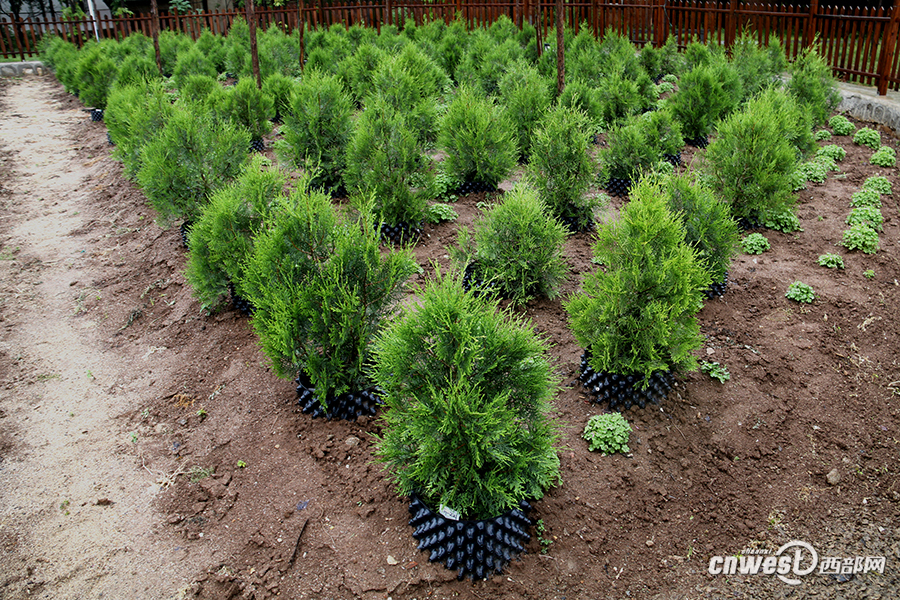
<point x="860" y="44"/>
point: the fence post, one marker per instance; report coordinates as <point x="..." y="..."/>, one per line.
<point x="660" y="26"/>
<point x="730" y="24"/>
<point x="254" y="53"/>
<point x="809" y="34"/>
<point x="889" y="40"/>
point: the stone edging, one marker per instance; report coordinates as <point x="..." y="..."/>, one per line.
<point x="20" y="69"/>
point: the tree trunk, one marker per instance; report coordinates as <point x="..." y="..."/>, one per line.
<point x="560" y="47"/>
<point x="254" y="54"/>
<point x="154" y="27"/>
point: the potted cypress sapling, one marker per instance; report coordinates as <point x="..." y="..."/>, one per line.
<point x="701" y="100"/>
<point x="317" y="129"/>
<point x="664" y="132"/>
<point x="708" y="226"/>
<point x="580" y="96"/>
<point x="192" y="62"/>
<point x="191" y="158"/>
<point x="197" y="88"/>
<point x="479" y="141"/>
<point x="630" y="153"/>
<point x="223" y="236"/>
<point x="322" y="289"/>
<point x="95" y="75"/>
<point x="467" y="434"/>
<point x="357" y="71"/>
<point x="136" y="114"/>
<point x="561" y="169"/>
<point x="751" y="163"/>
<point x="526" y="96"/>
<point x="636" y="316"/>
<point x="250" y="107"/>
<point x="386" y="161"/>
<point x="279" y="87"/>
<point x="516" y="249"/>
<point x="812" y="84"/>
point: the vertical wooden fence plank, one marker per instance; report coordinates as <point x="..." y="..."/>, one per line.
<point x="889" y="41"/>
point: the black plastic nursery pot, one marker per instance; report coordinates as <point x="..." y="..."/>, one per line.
<point x="239" y="302"/>
<point x="578" y="223"/>
<point x="257" y="146"/>
<point x="109" y="139"/>
<point x="475" y="549"/>
<point x="698" y="142"/>
<point x="96" y="114"/>
<point x="716" y="290"/>
<point x="622" y="391"/>
<point x="349" y="406"/>
<point x="474" y="187"/>
<point x="618" y="186"/>
<point x="185" y="231"/>
<point x="401" y="233"/>
<point x="673" y="159"/>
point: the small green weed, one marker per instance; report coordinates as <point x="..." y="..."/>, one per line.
<point x="832" y="151"/>
<point x="241" y="464"/>
<point x="800" y="292"/>
<point x="716" y="371"/>
<point x="785" y="221"/>
<point x="822" y="135"/>
<point x="867" y="137"/>
<point x="861" y="237"/>
<point x="48" y="376"/>
<point x="832" y="261"/>
<point x="869" y="274"/>
<point x="541" y="530"/>
<point x="884" y="157"/>
<point x="755" y="243"/>
<point x="64" y="507"/>
<point x="608" y="433"/>
<point x="198" y="473"/>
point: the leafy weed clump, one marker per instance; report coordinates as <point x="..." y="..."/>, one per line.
<point x="822" y="135"/>
<point x="867" y="137"/>
<point x="878" y="183"/>
<point x="716" y="371"/>
<point x="841" y="125"/>
<point x="866" y="197"/>
<point x="832" y="261"/>
<point x="755" y="243"/>
<point x="832" y="151"/>
<point x="861" y="237"/>
<point x="607" y="433"/>
<point x="868" y="215"/>
<point x="800" y="292"/>
<point x="884" y="157"/>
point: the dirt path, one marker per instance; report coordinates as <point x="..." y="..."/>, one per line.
<point x="75" y="513"/>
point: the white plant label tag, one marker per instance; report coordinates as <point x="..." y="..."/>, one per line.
<point x="449" y="513"/>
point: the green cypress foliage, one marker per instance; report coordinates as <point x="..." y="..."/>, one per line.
<point x="518" y="247"/>
<point x="386" y="161"/>
<point x="280" y="88"/>
<point x="357" y="71"/>
<point x="250" y="107"/>
<point x="637" y="314"/>
<point x="526" y="96"/>
<point x="478" y="138"/>
<point x="317" y="128"/>
<point x="191" y="158"/>
<point x="171" y="44"/>
<point x="700" y="101"/>
<point x="197" y="88"/>
<point x="222" y="238"/>
<point x="560" y="167"/>
<point x="468" y="389"/>
<point x="631" y="152"/>
<point x="812" y="84"/>
<point x="751" y="162"/>
<point x="237" y="48"/>
<point x="322" y="289"/>
<point x="279" y="53"/>
<point x="192" y="62"/>
<point x="134" y="116"/>
<point x="401" y="90"/>
<point x="95" y="74"/>
<point x="137" y="68"/>
<point x="213" y="46"/>
<point x="707" y="222"/>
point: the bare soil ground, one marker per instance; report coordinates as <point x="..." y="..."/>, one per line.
<point x="147" y="451"/>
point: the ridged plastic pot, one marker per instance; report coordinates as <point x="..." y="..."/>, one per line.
<point x="622" y="391"/>
<point x="349" y="406"/>
<point x="618" y="187"/>
<point x="716" y="290"/>
<point x="96" y="114"/>
<point x="239" y="302"/>
<point x="475" y="549"/>
<point x="401" y="233"/>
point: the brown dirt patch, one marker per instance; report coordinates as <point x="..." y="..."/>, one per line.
<point x="176" y="400"/>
